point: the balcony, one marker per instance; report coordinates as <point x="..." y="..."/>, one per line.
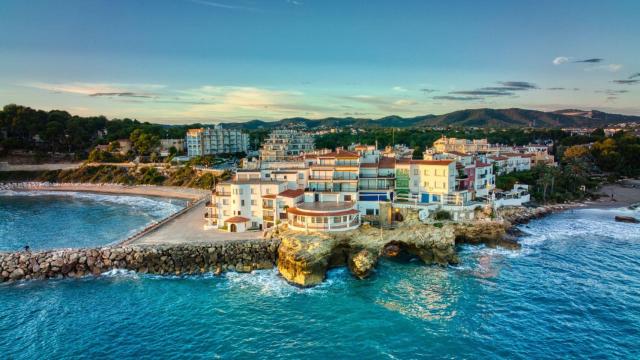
<point x="313" y="177"/>
<point x="267" y="218"/>
<point x="220" y="193"/>
<point x="267" y="206"/>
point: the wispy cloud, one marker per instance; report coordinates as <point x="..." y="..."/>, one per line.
<point x="560" y="60"/>
<point x="607" y="67"/>
<point x="99" y="89"/>
<point x="221" y="5"/>
<point x="612" y="92"/>
<point x="458" y="98"/>
<point x="627" y="81"/>
<point x="428" y="91"/>
<point x="506" y="88"/>
<point x="590" y="61"/>
<point x="399" y="89"/>
<point x="122" y="94"/>
<point x="633" y="76"/>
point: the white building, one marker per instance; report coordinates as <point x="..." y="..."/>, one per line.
<point x="211" y="141"/>
<point x="284" y="145"/>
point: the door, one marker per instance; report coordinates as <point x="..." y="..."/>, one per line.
<point x="233" y="228"/>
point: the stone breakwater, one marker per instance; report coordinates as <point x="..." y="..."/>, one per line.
<point x="239" y="255"/>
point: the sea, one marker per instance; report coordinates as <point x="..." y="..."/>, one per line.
<point x="571" y="292"/>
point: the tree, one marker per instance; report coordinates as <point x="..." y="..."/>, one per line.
<point x="143" y="143"/>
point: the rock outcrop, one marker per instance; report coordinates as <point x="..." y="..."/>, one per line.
<point x="240" y="255"/>
<point x="304" y="259"/>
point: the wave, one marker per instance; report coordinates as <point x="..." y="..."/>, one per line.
<point x="155" y="206"/>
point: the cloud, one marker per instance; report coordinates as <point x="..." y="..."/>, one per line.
<point x="122" y="94"/>
<point x="520" y="85"/>
<point x="556" y="88"/>
<point x="608" y="67"/>
<point x="399" y="89"/>
<point x="634" y="75"/>
<point x="560" y="60"/>
<point x="627" y="81"/>
<point x="427" y="90"/>
<point x="294" y="2"/>
<point x="590" y="61"/>
<point x="483" y="92"/>
<point x="98" y="89"/>
<point x="457" y="98"/>
<point x="405" y="102"/>
<point x="222" y="5"/>
<point x="612" y="92"/>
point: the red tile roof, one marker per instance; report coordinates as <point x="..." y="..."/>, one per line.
<point x="237" y="219"/>
<point x="292" y="193"/>
<point x="369" y="165"/>
<point x="481" y="164"/>
<point x="387" y="163"/>
<point x="341" y="154"/>
<point x="269" y="196"/>
<point x="499" y="158"/>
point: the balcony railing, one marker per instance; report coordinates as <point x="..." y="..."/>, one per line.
<point x="218" y="193"/>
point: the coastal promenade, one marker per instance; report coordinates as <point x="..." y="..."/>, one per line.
<point x="188" y="228"/>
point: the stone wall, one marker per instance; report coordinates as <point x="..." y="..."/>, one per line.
<point x="236" y="255"/>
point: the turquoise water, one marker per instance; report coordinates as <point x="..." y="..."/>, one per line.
<point x="51" y="220"/>
<point x="573" y="291"/>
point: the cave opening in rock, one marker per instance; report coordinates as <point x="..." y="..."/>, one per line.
<point x="399" y="251"/>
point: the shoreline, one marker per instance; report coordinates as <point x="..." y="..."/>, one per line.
<point x="175" y="192"/>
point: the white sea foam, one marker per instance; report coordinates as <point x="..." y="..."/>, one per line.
<point x="156" y="207"/>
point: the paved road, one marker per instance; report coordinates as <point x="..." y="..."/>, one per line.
<point x="189" y="229"/>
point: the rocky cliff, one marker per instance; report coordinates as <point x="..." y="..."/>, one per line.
<point x="303" y="259"/>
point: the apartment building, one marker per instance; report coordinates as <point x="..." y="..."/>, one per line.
<point x="211" y="141"/>
<point x="244" y="204"/>
<point x="445" y="144"/>
<point x="284" y="145"/>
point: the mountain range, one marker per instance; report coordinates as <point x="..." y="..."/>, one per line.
<point x="494" y="118"/>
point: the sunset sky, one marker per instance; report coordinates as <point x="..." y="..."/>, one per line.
<point x="185" y="61"/>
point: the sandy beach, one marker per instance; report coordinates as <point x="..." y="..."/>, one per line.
<point x="625" y="193"/>
<point x="148" y="190"/>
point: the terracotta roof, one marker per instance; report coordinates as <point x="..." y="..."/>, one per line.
<point x="340" y="154"/>
<point x="292" y="193"/>
<point x="387" y="163"/>
<point x="499" y="158"/>
<point x="237" y="219"/>
<point x="297" y="211"/>
<point x="458" y="153"/>
<point x="404" y="161"/>
<point x="269" y="196"/>
<point x="481" y="164"/>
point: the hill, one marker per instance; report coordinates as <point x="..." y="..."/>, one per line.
<point x="498" y="118"/>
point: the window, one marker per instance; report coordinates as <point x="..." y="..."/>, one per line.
<point x="347" y="198"/>
<point x="225" y="201"/>
<point x="370" y="212"/>
<point x="241" y="202"/>
<point x="337" y="219"/>
<point x="253" y="202"/>
<point x="253" y="191"/>
<point x="344" y="218"/>
<point x="301" y="176"/>
<point x="268" y="191"/>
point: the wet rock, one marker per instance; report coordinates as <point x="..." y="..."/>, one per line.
<point x="362" y="263"/>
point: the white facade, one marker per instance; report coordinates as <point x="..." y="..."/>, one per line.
<point x="211" y="141"/>
<point x="284" y="145"/>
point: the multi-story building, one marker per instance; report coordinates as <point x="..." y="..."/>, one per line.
<point x="284" y="145"/>
<point x="211" y="141"/>
<point x="330" y="201"/>
<point x="244" y="204"/>
<point x="167" y="144"/>
<point x="445" y="144"/>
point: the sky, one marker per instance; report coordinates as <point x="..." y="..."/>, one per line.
<point x="187" y="61"/>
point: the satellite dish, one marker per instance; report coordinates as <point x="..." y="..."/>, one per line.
<point x="423" y="214"/>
